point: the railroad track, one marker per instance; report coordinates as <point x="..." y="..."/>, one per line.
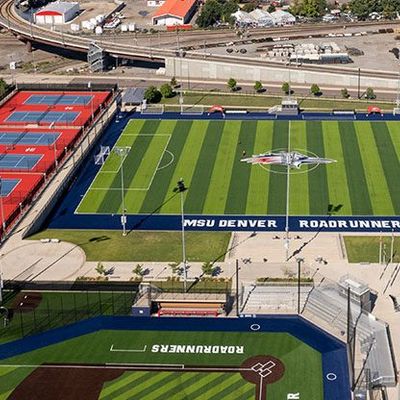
<point x="30" y="32"/>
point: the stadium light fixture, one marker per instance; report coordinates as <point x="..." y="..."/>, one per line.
<point x="122" y="152"/>
<point x="2" y="210"/>
<point x="181" y="188"/>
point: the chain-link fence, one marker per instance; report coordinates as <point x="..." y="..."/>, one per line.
<point x="27" y="312"/>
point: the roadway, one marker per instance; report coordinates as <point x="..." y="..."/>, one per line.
<point x="32" y="33"/>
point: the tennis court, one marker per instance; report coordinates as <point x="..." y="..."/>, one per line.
<point x="28" y="138"/>
<point x="43" y="117"/>
<point x="53" y="99"/>
<point x="19" y="161"/>
<point x="7" y="186"/>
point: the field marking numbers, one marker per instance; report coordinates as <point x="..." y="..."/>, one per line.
<point x="129" y="350"/>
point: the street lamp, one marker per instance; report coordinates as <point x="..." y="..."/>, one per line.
<point x="122" y="152"/>
<point x="2" y="210"/>
<point x="299" y="261"/>
<point x="180" y="188"/>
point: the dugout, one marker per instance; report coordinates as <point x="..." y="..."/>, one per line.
<point x="152" y="301"/>
<point x="289" y="106"/>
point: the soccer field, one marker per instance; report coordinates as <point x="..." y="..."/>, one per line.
<point x="206" y="154"/>
<point x="150" y="365"/>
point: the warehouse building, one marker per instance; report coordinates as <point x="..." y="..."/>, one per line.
<point x="57" y="13"/>
<point x="174" y="12"/>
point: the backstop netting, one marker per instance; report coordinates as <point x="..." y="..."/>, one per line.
<point x="152" y="109"/>
<point x="192" y="109"/>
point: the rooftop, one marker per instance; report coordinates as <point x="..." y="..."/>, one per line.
<point x="59" y="7"/>
<point x="178" y="8"/>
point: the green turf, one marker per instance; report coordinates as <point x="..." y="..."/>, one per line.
<point x="194" y="385"/>
<point x="366" y="248"/>
<point x="206" y="154"/>
<point x="143" y="245"/>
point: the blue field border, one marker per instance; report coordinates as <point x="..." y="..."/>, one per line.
<point x="333" y="351"/>
<point x="63" y="216"/>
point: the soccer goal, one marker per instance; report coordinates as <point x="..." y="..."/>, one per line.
<point x="192" y="110"/>
<point x="152" y="109"/>
<point x="100" y="158"/>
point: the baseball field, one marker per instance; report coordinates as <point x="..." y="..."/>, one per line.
<point x="206" y="154"/>
<point x="150" y="365"/>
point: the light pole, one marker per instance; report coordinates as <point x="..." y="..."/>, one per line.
<point x="181" y="188"/>
<point x="299" y="261"/>
<point x="122" y="152"/>
<point x="3" y="222"/>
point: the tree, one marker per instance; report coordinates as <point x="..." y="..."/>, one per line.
<point x="271" y="8"/>
<point x="166" y="90"/>
<point x="138" y="270"/>
<point x="174" y="82"/>
<point x="232" y="84"/>
<point x="285" y="87"/>
<point x="174" y="268"/>
<point x="258" y="87"/>
<point x="362" y="8"/>
<point x="3" y="86"/>
<point x="345" y="93"/>
<point x="208" y="268"/>
<point x="315" y="90"/>
<point x="369" y="94"/>
<point x="249" y="7"/>
<point x="100" y="268"/>
<point x="210" y="14"/>
<point x="152" y="94"/>
<point x="309" y="8"/>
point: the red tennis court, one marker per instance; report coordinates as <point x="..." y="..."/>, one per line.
<point x="17" y="191"/>
<point x="70" y="109"/>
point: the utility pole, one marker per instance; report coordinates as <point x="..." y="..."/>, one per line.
<point x="237" y="287"/>
<point x="359" y="83"/>
<point x="181" y="188"/>
<point x="122" y="152"/>
<point x="299" y="261"/>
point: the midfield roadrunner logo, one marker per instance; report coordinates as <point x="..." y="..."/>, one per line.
<point x="292" y="159"/>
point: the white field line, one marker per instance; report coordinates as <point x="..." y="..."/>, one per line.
<point x="129" y="350"/>
<point x="116" y="172"/>
<point x="133" y="366"/>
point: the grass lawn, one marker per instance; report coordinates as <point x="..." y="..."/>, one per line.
<point x="207" y="155"/>
<point x="143" y="245"/>
<point x="244" y="100"/>
<point x="95" y="348"/>
<point x="61" y="308"/>
<point x="366" y="248"/>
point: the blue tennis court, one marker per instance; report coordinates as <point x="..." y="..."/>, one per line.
<point x="7" y="186"/>
<point x="19" y="161"/>
<point x="38" y="116"/>
<point x="29" y="139"/>
<point x="52" y="99"/>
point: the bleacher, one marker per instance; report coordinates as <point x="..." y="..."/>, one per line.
<point x="327" y="304"/>
<point x="279" y="298"/>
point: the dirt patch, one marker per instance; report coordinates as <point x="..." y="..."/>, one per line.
<point x="63" y="383"/>
<point x="26" y="301"/>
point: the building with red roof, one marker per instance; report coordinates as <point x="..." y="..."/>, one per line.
<point x="174" y="12"/>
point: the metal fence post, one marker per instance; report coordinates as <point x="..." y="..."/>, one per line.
<point x="76" y="319"/>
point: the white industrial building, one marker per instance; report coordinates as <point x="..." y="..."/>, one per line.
<point x="57" y="13"/>
<point x="262" y="18"/>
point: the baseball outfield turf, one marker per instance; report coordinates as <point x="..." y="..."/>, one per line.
<point x="148" y="365"/>
<point x="206" y="154"/>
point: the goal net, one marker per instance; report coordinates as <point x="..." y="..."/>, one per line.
<point x="100" y="158"/>
<point x="192" y="110"/>
<point x="153" y="109"/>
